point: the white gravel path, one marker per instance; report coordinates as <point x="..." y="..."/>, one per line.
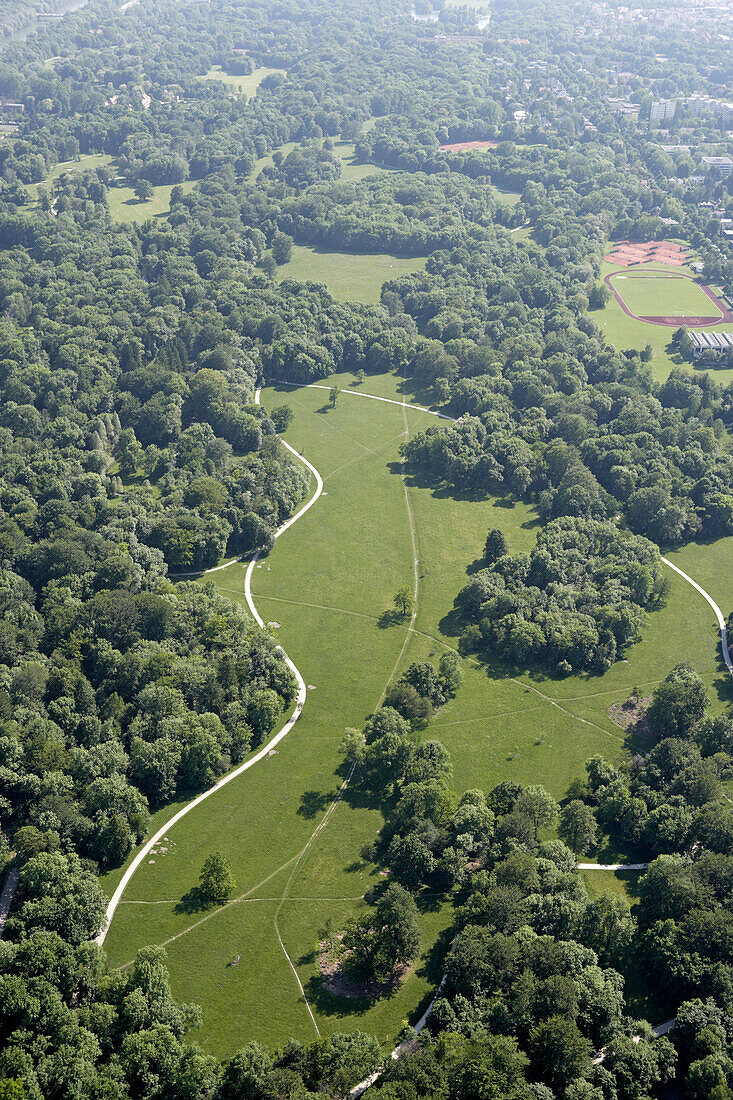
<point x="266" y="748"/>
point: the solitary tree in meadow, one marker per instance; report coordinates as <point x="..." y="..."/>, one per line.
<point x="216" y="881"/>
<point x="404" y="602"/>
<point x="143" y="190"/>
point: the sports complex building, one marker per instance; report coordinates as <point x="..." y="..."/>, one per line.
<point x="711" y="343"/>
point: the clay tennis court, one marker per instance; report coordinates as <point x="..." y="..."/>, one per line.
<point x="683" y="298"/>
<point x="462" y="146"/>
<point x="630" y="253"/>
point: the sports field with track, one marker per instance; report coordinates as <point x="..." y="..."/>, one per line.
<point x="661" y="293"/>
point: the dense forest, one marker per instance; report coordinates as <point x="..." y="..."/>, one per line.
<point x="133" y="454"/>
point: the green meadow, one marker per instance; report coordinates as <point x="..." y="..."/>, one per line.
<point x="292" y="832"/>
<point x="81" y="164"/>
<point x="240" y="85"/>
<point x="124" y="206"/>
<point x="350" y="277"/>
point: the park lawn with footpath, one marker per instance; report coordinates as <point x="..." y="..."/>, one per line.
<point x="709" y="563"/>
<point x="80" y="164"/>
<point x="124" y="206"/>
<point x="328" y="581"/>
<point x="626" y="332"/>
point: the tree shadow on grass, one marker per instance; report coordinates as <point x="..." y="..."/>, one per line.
<point x="476" y="566"/>
<point x="452" y="625"/>
<point x="328" y="1004"/>
<point x="432" y="966"/>
<point x="429" y="900"/>
<point x="389" y="618"/>
<point x="723" y="684"/>
<point x="193" y="902"/>
<point x="314" y="802"/>
<point x="421" y="479"/>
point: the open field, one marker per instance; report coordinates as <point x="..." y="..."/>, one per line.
<point x="327" y="582"/>
<point x="622" y="883"/>
<point x="240" y="85"/>
<point x="124" y="206"/>
<point x="663" y="294"/>
<point x="628" y="332"/>
<point x="82" y="164"/>
<point x="349" y="277"/>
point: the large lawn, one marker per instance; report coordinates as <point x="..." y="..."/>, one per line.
<point x="124" y="206"/>
<point x="81" y="164"/>
<point x="241" y="85"/>
<point x="349" y="277"/>
<point x="660" y="294"/>
<point x="327" y="582"/>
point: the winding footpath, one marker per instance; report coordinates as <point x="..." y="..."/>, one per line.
<point x="266" y="749"/>
<point x="718" y="613"/>
<point x="362" y="1086"/>
<point x="444" y="416"/>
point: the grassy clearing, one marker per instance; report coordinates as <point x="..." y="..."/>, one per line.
<point x="351" y="170"/>
<point x="124" y="206"/>
<point x="710" y="565"/>
<point x="509" y="198"/>
<point x="626" y="332"/>
<point x="240" y="85"/>
<point x="661" y="295"/>
<point x="622" y="883"/>
<point x="81" y="164"/>
<point x="327" y="582"/>
<point x="348" y="276"/>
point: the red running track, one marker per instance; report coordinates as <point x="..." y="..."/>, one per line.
<point x="726" y="316"/>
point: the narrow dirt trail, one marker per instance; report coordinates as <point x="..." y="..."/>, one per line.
<point x="303" y="855"/>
